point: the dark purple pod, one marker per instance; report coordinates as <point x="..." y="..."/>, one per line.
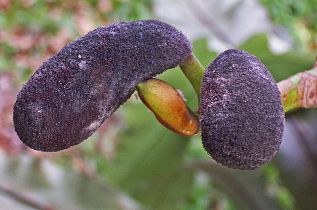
<point x="75" y="90"/>
<point x="242" y="117"/>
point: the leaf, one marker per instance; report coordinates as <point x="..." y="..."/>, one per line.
<point x="244" y="187"/>
<point x="205" y="55"/>
<point x="281" y="66"/>
<point x="149" y="164"/>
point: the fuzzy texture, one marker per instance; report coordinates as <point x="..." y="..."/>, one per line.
<point x="242" y="118"/>
<point x="74" y="91"/>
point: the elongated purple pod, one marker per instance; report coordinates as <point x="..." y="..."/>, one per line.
<point x="242" y="117"/>
<point x="75" y="90"/>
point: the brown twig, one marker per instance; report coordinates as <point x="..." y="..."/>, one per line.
<point x="23" y="199"/>
<point x="209" y="23"/>
<point x="230" y="183"/>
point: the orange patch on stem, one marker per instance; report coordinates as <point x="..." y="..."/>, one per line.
<point x="307" y="90"/>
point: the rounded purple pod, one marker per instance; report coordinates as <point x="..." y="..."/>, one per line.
<point x="75" y="90"/>
<point x="242" y="117"/>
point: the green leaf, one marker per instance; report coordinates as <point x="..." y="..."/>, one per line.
<point x="149" y="164"/>
<point x="281" y="66"/>
<point x="244" y="187"/>
<point x="205" y="55"/>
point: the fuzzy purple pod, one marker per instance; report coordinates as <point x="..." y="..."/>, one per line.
<point x="77" y="89"/>
<point x="242" y="117"/>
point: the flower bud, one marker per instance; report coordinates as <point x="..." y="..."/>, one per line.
<point x="168" y="106"/>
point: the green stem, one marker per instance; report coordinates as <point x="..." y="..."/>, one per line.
<point x="194" y="71"/>
<point x="297" y="91"/>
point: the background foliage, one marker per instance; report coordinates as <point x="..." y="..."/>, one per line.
<point x="132" y="162"/>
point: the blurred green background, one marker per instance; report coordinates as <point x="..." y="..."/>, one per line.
<point x="132" y="162"/>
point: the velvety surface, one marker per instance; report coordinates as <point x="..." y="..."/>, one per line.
<point x="242" y="117"/>
<point x="75" y="90"/>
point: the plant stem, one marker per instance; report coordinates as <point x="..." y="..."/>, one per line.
<point x="299" y="90"/>
<point x="17" y="196"/>
<point x="194" y="71"/>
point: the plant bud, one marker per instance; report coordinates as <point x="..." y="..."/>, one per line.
<point x="168" y="106"/>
